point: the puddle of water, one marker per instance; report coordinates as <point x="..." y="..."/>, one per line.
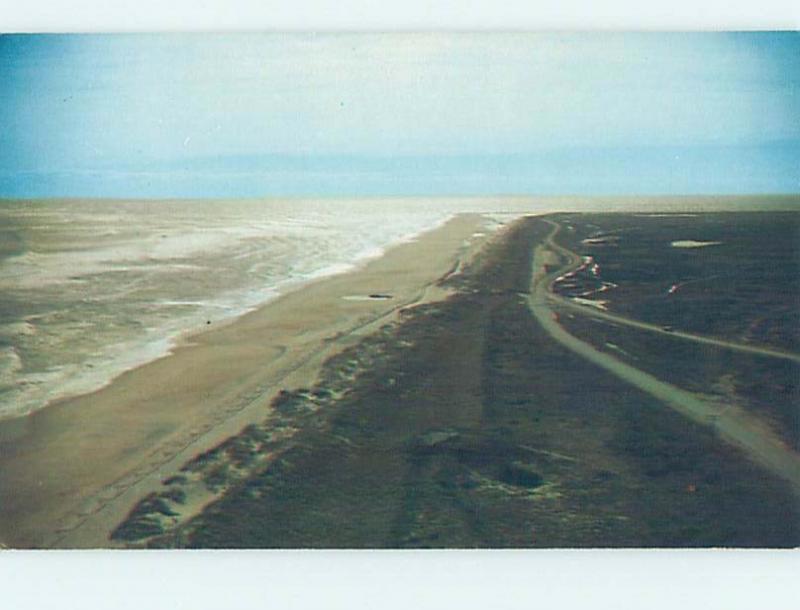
<point x="690" y="243"/>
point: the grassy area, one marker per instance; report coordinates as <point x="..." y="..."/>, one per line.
<point x="745" y="288"/>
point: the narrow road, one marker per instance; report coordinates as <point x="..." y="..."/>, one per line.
<point x="575" y="262"/>
<point x="733" y="425"/>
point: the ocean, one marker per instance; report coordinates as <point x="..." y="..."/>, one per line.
<point x="91" y="288"/>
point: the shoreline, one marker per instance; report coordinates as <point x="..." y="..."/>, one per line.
<point x="142" y="354"/>
<point x="71" y="471"/>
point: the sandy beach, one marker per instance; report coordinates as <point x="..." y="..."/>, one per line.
<point x="70" y="473"/>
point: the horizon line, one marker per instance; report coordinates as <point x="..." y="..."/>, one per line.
<point x="411" y="196"/>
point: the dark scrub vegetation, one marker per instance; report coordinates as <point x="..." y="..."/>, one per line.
<point x="467" y="426"/>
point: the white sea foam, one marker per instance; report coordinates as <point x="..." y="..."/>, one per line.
<point x="10" y="364"/>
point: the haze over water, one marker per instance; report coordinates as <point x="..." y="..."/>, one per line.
<point x="249" y="115"/>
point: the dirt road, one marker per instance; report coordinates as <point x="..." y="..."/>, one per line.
<point x="732" y="424"/>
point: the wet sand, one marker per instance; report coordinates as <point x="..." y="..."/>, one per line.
<point x="70" y="472"/>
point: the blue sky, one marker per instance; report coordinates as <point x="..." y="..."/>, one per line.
<point x="248" y="115"/>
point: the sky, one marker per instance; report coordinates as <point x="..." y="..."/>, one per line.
<point x="246" y="115"/>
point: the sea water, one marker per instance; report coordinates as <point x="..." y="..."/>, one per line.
<point x="89" y="289"/>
